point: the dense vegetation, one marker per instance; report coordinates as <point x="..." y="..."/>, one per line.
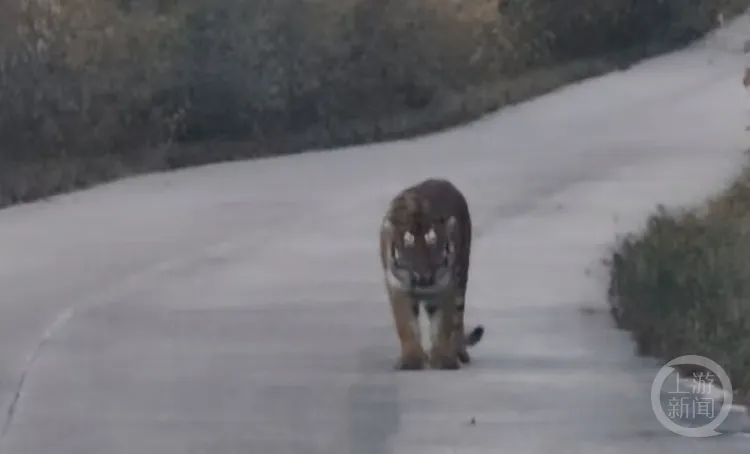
<point x="682" y="285"/>
<point x="96" y="89"/>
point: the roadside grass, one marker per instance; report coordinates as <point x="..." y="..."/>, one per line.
<point x="93" y="91"/>
<point x="682" y="285"/>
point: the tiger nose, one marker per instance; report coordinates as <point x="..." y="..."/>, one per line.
<point x="423" y="280"/>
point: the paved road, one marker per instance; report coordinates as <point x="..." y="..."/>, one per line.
<point x="238" y="308"/>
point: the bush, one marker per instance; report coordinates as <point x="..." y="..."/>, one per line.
<point x="683" y="285"/>
<point x="94" y="89"/>
<point x="77" y="84"/>
<point x="565" y="29"/>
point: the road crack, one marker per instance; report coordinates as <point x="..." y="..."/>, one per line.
<point x="61" y="320"/>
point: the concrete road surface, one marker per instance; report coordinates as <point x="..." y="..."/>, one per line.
<point x="239" y="308"/>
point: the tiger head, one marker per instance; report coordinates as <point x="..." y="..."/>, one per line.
<point x="421" y="255"/>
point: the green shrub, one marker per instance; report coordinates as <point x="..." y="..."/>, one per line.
<point x="560" y="30"/>
<point x="77" y="79"/>
<point x="682" y="286"/>
<point x="94" y="89"/>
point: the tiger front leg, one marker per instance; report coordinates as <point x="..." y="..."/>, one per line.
<point x="406" y="318"/>
<point x="443" y="351"/>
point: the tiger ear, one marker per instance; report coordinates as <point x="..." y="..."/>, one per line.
<point x="450" y="225"/>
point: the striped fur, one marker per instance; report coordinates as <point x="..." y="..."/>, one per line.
<point x="425" y="247"/>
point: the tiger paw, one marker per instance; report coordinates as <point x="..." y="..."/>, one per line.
<point x="444" y="362"/>
<point x="411" y="362"/>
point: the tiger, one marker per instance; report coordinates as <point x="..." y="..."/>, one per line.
<point x="425" y="246"/>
